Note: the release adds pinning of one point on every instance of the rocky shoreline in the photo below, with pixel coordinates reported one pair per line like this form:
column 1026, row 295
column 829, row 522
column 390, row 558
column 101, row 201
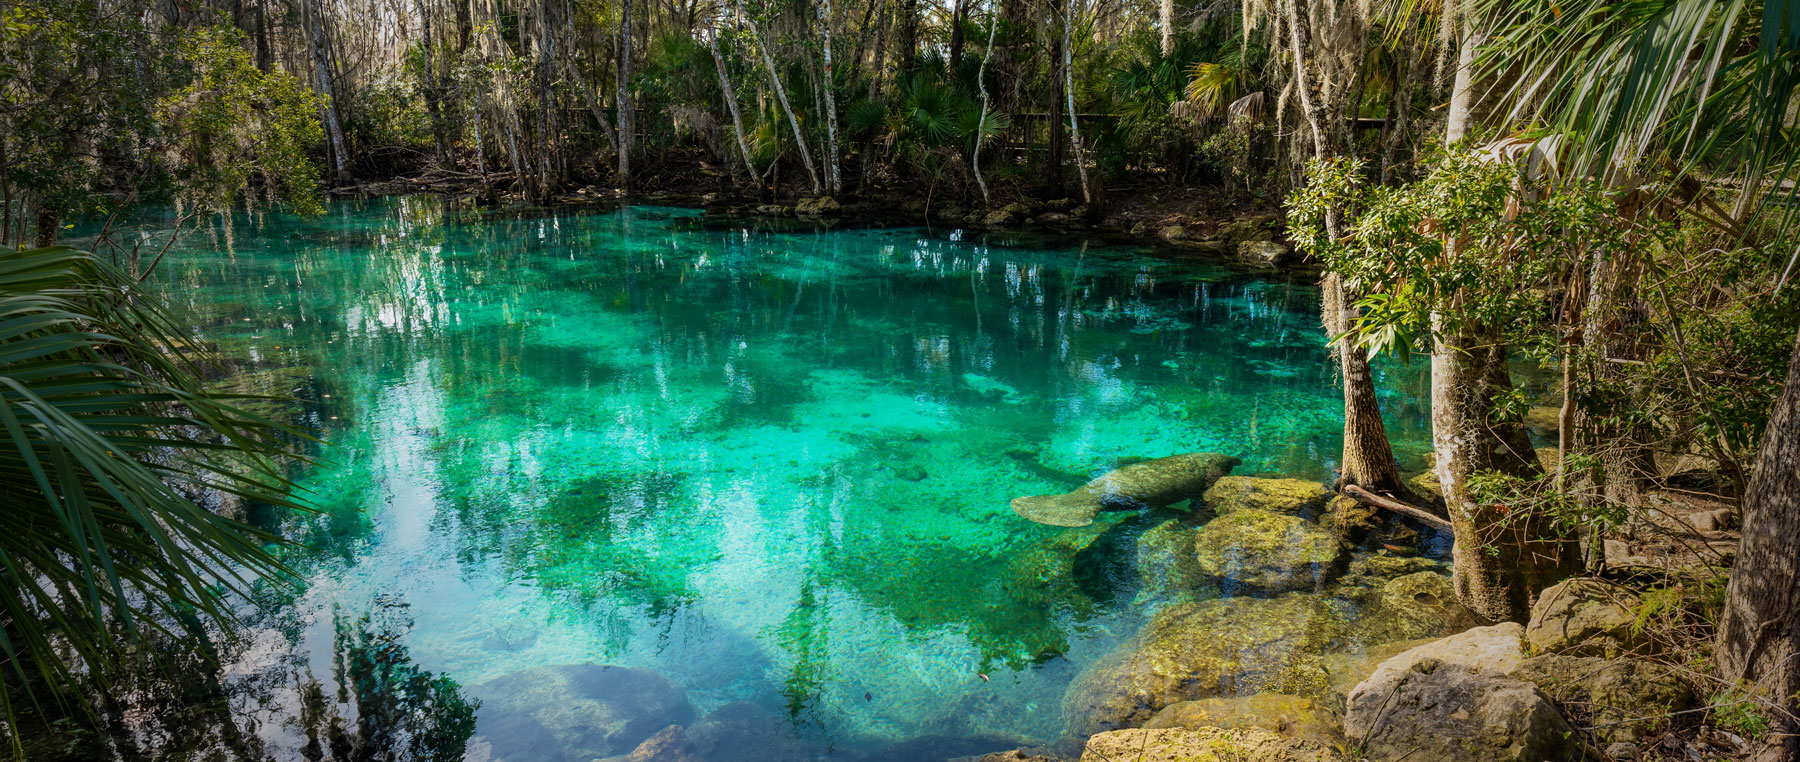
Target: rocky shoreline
column 1289, row 625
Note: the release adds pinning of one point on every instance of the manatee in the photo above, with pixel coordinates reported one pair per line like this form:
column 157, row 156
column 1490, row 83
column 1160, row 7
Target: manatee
column 1149, row 484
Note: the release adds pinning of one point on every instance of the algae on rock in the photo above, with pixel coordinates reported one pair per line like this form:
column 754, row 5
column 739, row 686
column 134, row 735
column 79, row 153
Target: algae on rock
column 1266, row 552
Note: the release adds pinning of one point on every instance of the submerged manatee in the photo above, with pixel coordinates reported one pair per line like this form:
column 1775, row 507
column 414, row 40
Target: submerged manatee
column 1150, row 484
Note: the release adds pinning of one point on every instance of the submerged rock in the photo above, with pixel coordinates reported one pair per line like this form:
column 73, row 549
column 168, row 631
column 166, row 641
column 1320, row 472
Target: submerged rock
column 1148, row 484
column 1220, row 647
column 1266, row 552
column 1296, row 497
column 1279, row 713
column 668, row 745
column 1165, row 560
column 1418, row 605
column 1439, row 711
column 1585, row 616
column 1608, row 692
column 745, row 732
column 1202, row 745
column 582, row 711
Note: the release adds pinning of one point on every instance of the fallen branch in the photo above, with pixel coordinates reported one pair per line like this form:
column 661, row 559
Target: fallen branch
column 1396, row 506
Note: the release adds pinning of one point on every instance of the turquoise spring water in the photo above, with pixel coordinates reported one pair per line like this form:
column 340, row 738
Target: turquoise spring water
column 770, row 462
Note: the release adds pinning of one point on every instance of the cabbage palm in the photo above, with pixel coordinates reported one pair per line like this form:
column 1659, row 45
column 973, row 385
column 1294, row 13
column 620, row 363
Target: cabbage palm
column 105, row 429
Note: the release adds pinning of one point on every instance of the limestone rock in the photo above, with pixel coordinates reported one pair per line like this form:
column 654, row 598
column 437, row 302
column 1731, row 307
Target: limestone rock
column 1172, row 233
column 1587, row 617
column 1202, row 745
column 1219, row 647
column 1166, row 564
column 1015, row 755
column 744, row 732
column 1296, row 497
column 1426, row 485
column 1145, row 484
column 587, row 711
column 1264, row 252
column 1017, row 209
column 822, row 206
column 1257, row 228
column 668, row 745
column 773, row 210
column 1252, row 550
column 999, row 218
column 1418, row 605
column 1448, row 712
column 1053, row 218
column 1607, row 692
column 1348, row 519
column 1282, row 714
column 1059, row 205
column 1496, row 649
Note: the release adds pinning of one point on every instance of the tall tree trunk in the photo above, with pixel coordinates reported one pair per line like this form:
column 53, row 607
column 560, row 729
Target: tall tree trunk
column 1056, row 99
column 1501, row 560
column 731, row 102
column 959, row 13
column 432, row 88
column 1068, row 80
column 264, row 56
column 762, row 44
column 981, row 123
column 833, row 172
column 627, row 121
column 1759, row 635
column 549, row 126
column 322, row 76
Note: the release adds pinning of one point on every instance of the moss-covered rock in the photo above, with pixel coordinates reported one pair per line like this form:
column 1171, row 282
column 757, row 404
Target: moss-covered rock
column 1258, row 551
column 1585, row 616
column 1165, row 561
column 1606, row 693
column 1439, row 711
column 1203, row 745
column 1221, row 647
column 1418, row 605
column 1296, row 497
column 1291, row 716
column 1350, row 520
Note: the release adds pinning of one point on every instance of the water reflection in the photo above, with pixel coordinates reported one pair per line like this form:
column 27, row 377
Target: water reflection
column 773, row 465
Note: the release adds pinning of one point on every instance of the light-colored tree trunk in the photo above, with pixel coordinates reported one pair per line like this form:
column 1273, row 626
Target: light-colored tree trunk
column 833, row 179
column 627, row 120
column 731, row 102
column 981, row 123
column 762, row 45
column 1068, row 67
column 334, row 131
column 1759, row 635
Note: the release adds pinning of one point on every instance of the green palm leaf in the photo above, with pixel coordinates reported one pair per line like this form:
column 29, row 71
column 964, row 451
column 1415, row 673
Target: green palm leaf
column 105, row 426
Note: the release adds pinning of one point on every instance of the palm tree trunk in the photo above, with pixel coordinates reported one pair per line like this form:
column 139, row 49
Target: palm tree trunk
column 1068, row 79
column 1759, row 635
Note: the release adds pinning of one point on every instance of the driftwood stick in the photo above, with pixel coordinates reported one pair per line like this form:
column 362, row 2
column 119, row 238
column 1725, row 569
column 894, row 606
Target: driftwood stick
column 1396, row 506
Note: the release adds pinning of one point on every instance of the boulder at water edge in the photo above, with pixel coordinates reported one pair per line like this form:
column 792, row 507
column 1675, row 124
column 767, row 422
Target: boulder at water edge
column 1147, row 484
column 1279, row 713
column 1412, row 606
column 1609, row 692
column 1261, row 552
column 1450, row 713
column 1220, row 647
column 1202, row 745
column 1585, row 617
column 1296, row 497
column 576, row 712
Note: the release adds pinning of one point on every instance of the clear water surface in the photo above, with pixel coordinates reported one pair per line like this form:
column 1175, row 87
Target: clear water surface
column 771, row 463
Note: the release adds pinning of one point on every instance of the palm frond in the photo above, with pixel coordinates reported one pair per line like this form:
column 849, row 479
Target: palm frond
column 104, row 423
